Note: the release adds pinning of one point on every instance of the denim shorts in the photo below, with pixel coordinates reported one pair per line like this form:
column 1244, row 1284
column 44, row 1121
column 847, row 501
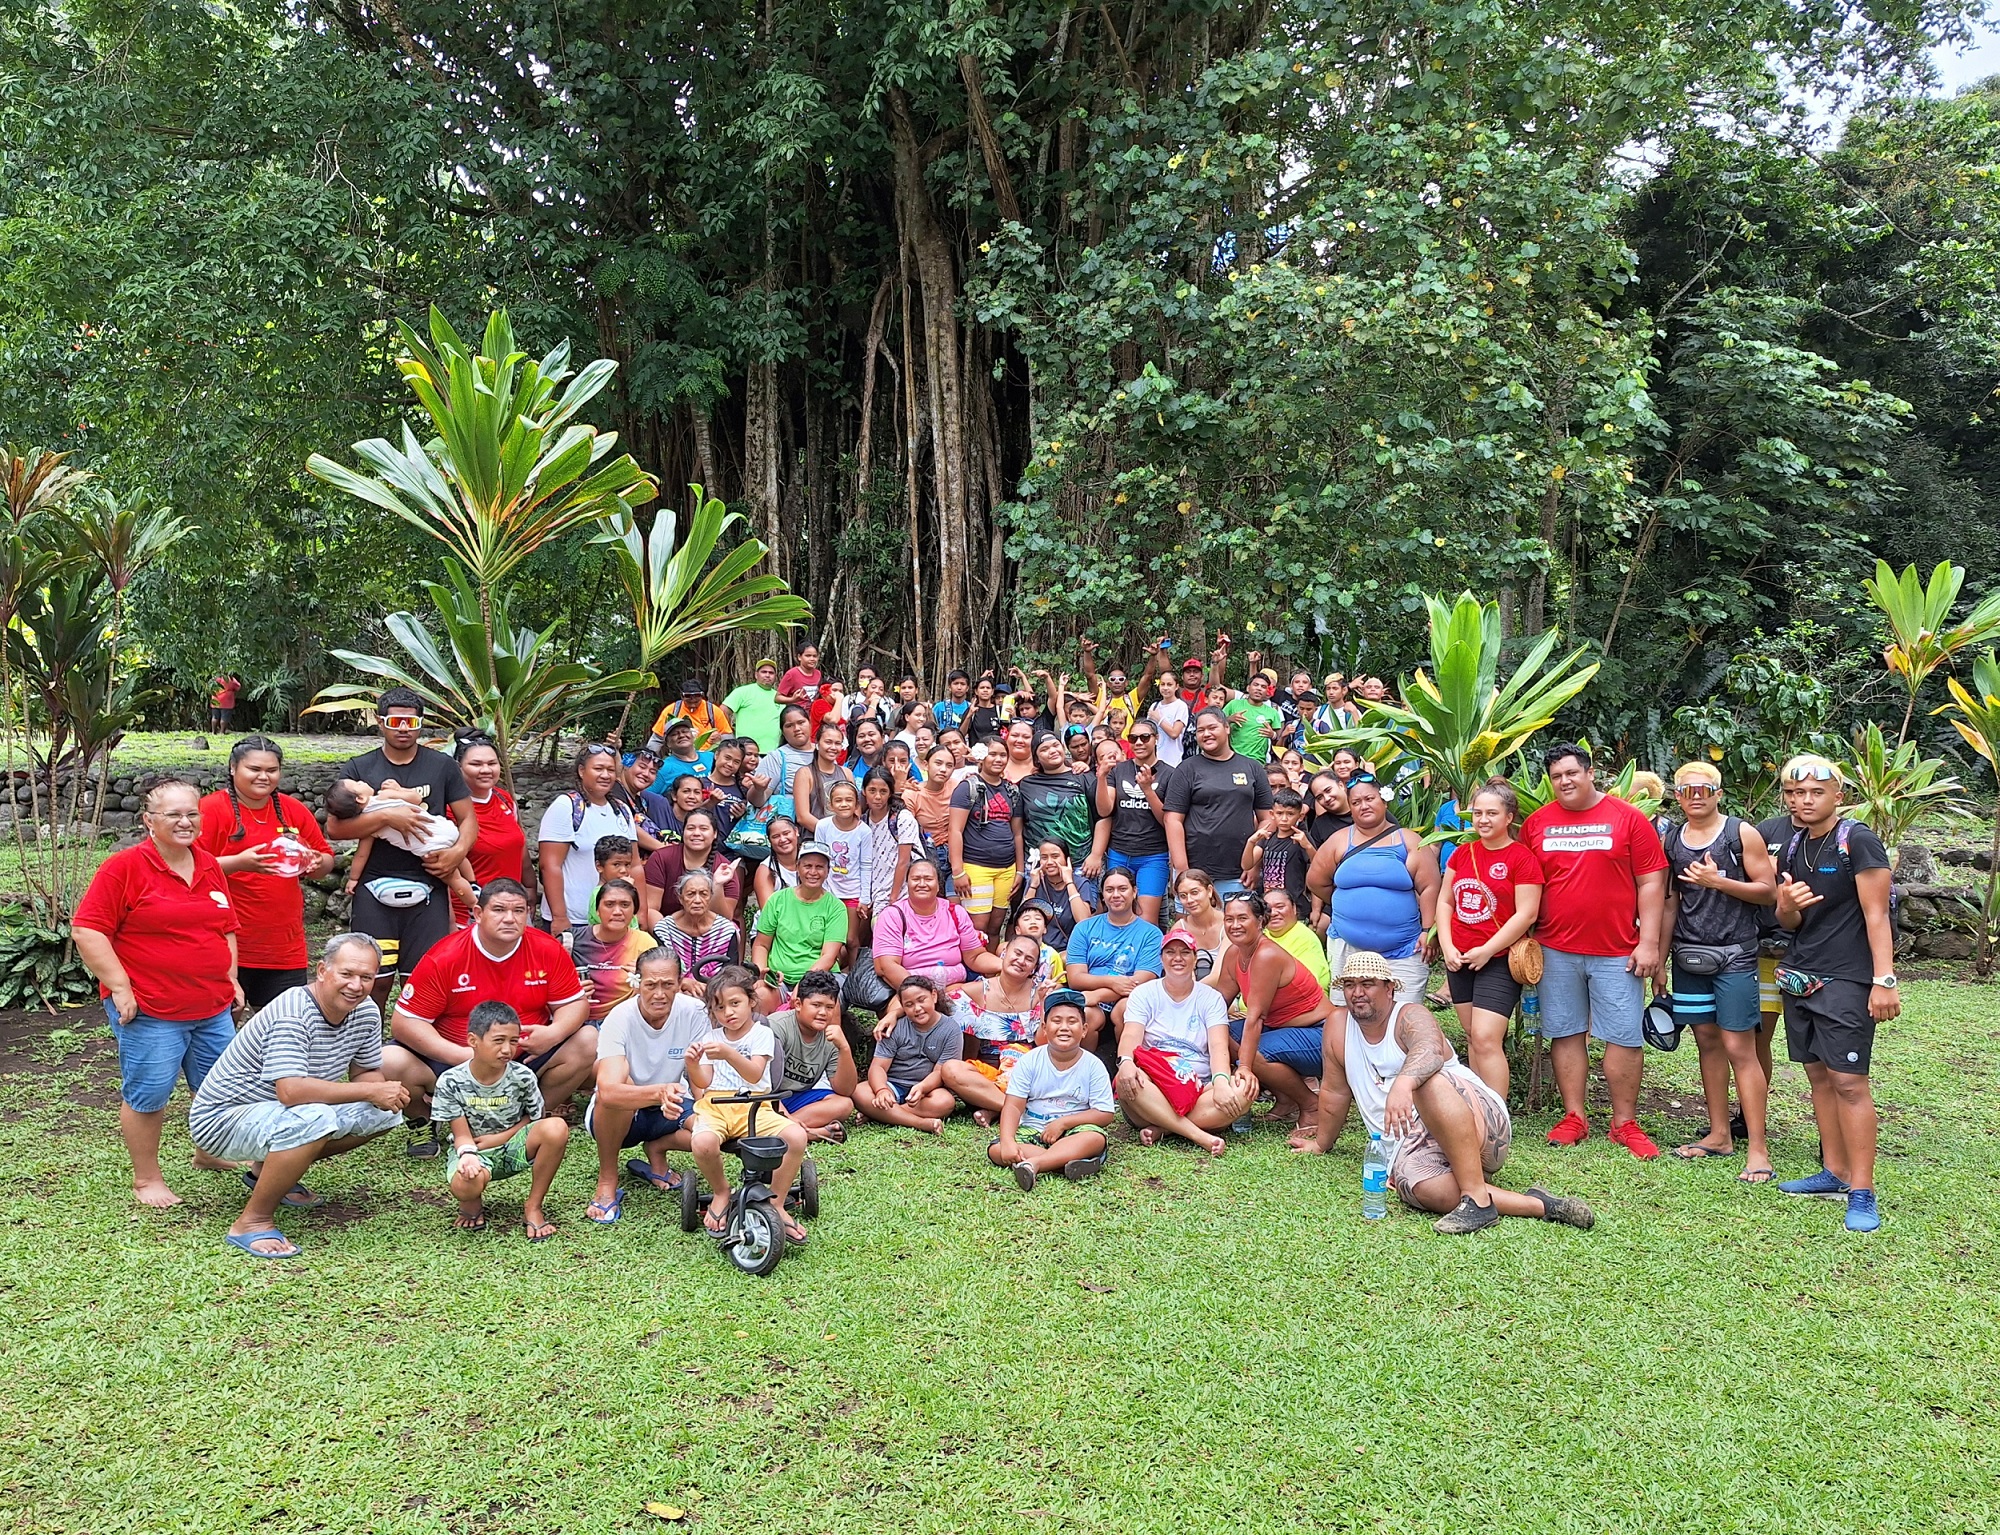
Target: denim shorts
column 1301, row 1049
column 1730, row 999
column 154, row 1053
column 1148, row 873
column 648, row 1124
column 252, row 1131
column 1594, row 992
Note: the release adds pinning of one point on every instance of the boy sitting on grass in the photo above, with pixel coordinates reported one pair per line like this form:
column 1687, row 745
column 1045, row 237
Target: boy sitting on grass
column 734, row 1056
column 492, row 1106
column 818, row 1077
column 1058, row 1102
column 905, row 1083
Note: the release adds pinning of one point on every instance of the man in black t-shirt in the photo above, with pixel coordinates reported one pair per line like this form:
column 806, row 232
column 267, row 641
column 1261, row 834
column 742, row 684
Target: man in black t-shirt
column 1773, row 940
column 403, row 904
column 1838, row 979
column 1216, row 802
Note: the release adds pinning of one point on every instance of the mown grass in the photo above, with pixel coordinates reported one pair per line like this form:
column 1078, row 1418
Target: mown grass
column 1178, row 1346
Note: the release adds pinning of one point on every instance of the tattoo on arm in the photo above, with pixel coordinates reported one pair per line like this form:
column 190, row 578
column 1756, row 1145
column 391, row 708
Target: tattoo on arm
column 1423, row 1042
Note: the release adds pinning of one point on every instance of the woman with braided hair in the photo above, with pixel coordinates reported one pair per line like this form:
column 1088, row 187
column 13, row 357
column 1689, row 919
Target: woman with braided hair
column 242, row 824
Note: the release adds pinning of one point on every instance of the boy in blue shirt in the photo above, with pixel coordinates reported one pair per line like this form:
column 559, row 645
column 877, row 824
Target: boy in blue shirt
column 1058, row 1102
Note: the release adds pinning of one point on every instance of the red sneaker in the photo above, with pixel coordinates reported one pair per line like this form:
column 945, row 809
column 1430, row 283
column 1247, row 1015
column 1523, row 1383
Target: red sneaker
column 1634, row 1140
column 1569, row 1130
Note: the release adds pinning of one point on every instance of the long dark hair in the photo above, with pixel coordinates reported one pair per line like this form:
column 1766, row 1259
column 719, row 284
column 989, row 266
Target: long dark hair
column 237, row 753
column 884, row 777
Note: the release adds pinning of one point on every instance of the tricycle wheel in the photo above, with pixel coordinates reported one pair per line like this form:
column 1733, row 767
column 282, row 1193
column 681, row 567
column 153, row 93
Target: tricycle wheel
column 809, row 1189
column 690, row 1201
column 756, row 1240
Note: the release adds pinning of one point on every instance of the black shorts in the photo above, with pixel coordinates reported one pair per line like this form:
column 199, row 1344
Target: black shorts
column 263, row 987
column 405, row 933
column 1492, row 989
column 1832, row 1027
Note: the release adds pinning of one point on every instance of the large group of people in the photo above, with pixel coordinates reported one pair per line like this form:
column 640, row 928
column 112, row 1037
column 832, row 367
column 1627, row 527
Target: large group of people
column 1054, row 907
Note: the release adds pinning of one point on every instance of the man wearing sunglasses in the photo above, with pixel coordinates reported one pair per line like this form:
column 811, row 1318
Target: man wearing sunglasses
column 1838, row 979
column 403, row 904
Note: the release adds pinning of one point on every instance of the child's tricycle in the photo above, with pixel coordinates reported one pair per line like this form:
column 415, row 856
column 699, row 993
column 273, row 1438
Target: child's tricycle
column 753, row 1236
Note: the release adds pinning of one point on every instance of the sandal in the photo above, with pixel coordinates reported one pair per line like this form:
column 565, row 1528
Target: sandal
column 795, row 1234
column 668, row 1182
column 471, row 1222
column 298, row 1196
column 1694, row 1151
column 1756, row 1175
column 716, row 1225
column 608, row 1206
column 538, row 1231
column 241, row 1240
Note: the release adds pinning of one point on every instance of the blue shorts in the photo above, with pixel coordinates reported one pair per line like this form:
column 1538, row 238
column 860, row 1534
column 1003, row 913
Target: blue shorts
column 1149, row 873
column 1300, row 1049
column 1730, row 1000
column 1594, row 992
column 648, row 1124
column 155, row 1053
column 805, row 1099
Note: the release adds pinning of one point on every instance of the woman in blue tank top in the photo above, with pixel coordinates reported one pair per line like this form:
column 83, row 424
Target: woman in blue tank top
column 1382, row 881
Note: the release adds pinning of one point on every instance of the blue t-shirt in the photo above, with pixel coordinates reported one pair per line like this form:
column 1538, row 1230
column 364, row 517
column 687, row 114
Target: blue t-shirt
column 1104, row 948
column 950, row 713
column 674, row 768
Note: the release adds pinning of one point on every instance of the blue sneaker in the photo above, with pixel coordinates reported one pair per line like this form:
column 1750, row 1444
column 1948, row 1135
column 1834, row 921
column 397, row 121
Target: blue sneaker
column 1821, row 1185
column 1861, row 1212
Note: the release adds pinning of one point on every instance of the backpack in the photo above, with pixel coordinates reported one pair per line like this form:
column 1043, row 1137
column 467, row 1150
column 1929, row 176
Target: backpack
column 1731, row 839
column 1841, row 832
column 578, row 805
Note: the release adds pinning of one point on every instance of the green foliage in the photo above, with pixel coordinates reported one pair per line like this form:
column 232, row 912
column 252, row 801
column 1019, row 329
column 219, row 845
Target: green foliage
column 1893, row 788
column 1762, row 713
column 1462, row 725
column 1923, row 636
column 511, row 686
column 39, row 969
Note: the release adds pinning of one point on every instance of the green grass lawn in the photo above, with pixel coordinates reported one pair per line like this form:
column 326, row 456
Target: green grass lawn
column 1178, row 1346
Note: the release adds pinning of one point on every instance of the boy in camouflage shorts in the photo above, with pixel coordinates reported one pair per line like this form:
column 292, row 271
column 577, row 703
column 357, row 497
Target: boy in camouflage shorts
column 492, row 1108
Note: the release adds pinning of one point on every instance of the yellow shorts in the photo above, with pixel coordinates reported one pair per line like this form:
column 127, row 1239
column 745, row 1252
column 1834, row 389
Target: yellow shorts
column 731, row 1121
column 1768, row 1000
column 987, row 889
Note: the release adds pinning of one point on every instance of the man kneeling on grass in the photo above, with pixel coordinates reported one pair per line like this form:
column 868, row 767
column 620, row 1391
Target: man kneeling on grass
column 300, row 1081
column 1058, row 1102
column 1449, row 1128
column 491, row 1107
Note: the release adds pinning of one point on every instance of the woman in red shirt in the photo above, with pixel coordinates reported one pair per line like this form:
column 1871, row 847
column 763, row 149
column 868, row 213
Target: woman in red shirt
column 501, row 849
column 158, row 930
column 240, row 825
column 1493, row 890
column 1279, row 1037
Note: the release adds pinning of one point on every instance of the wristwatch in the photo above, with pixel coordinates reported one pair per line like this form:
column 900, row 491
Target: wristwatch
column 1886, row 982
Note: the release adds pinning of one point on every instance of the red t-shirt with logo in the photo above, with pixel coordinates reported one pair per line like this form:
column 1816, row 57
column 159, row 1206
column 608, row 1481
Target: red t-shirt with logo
column 456, row 975
column 497, row 852
column 170, row 934
column 271, row 907
column 1591, row 862
column 1480, row 886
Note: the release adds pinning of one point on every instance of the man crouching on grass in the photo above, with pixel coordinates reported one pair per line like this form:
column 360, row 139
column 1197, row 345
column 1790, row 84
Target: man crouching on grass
column 1450, row 1129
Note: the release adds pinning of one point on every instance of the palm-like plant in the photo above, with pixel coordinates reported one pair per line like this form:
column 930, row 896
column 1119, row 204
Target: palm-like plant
column 677, row 599
column 1976, row 713
column 1463, row 723
column 36, row 481
column 510, row 686
column 1893, row 788
column 1919, row 616
column 509, row 466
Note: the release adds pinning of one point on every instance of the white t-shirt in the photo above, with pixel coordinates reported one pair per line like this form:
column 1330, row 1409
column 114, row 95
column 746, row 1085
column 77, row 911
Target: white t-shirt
column 654, row 1057
column 757, row 1040
column 1180, row 1028
column 1051, row 1094
column 579, row 869
column 853, row 854
column 1170, row 747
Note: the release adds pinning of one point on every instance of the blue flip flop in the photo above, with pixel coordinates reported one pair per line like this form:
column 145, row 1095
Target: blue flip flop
column 241, row 1240
column 299, row 1197
column 610, row 1205
column 670, row 1181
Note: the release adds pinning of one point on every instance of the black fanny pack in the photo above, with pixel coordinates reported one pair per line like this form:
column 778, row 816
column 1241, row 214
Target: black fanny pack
column 1706, row 958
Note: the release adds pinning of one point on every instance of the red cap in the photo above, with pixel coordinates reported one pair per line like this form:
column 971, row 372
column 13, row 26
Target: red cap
column 1179, row 935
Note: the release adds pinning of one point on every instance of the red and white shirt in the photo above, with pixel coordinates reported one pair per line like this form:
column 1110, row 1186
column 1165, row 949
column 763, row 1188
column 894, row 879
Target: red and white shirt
column 1480, row 886
column 1591, row 863
column 170, row 934
column 457, row 974
column 271, row 907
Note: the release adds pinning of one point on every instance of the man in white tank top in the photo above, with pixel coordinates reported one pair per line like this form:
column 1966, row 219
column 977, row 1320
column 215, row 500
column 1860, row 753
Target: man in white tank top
column 1449, row 1130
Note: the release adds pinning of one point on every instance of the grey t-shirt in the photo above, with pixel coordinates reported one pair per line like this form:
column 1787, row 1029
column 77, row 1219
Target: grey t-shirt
column 806, row 1062
column 488, row 1107
column 912, row 1055
column 290, row 1037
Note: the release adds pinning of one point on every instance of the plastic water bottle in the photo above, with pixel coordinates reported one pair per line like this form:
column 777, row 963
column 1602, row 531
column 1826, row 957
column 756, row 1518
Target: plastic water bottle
column 1375, row 1180
column 1531, row 1011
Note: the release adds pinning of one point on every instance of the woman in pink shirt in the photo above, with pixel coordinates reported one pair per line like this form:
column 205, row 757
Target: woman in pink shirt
column 924, row 934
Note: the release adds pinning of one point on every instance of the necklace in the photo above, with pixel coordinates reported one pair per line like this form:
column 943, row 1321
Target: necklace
column 1811, row 853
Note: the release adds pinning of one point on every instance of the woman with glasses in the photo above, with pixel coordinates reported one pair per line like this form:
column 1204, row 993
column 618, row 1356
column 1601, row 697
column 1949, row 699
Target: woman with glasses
column 1129, row 797
column 158, row 930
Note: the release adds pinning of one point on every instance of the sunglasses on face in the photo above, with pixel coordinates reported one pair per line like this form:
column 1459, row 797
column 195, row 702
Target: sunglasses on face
column 402, row 721
column 1816, row 773
column 1694, row 790
column 1147, row 736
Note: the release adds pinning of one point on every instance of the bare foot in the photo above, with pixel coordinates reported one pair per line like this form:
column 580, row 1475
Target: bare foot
column 931, row 1126
column 1215, row 1145
column 1149, row 1136
column 155, row 1195
column 216, row 1165
column 983, row 1118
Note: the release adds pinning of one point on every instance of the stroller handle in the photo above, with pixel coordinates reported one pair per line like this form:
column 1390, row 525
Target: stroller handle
column 746, row 1097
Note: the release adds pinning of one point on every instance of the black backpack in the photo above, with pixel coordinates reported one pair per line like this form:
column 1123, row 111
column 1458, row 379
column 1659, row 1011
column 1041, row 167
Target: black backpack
column 1841, row 833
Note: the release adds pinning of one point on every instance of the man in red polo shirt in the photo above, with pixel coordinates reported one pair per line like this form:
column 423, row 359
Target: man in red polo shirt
column 499, row 958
